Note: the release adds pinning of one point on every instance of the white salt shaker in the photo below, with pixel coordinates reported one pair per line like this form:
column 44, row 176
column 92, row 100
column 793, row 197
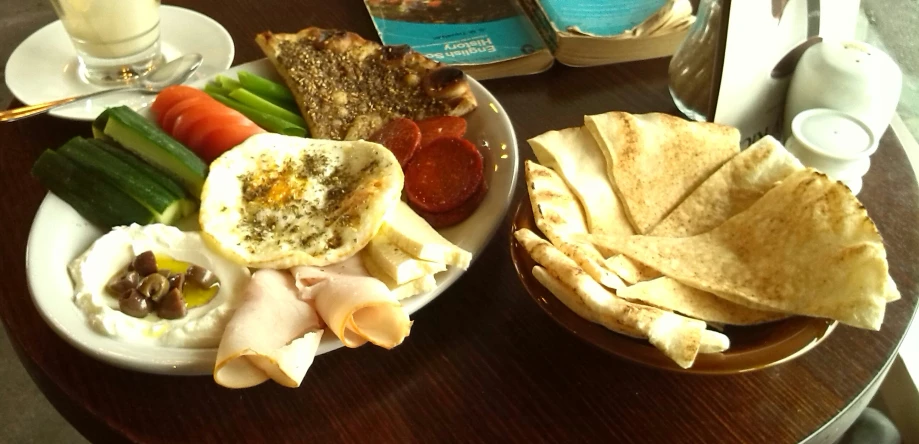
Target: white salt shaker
column 848, row 76
column 833, row 142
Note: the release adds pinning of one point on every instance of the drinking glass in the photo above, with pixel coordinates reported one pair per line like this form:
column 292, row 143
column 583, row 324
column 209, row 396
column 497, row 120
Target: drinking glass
column 116, row 41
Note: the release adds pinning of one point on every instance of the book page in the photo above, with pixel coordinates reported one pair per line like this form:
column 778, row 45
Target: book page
column 458, row 32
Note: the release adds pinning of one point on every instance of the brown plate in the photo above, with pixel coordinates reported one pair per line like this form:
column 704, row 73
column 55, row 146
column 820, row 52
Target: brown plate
column 752, row 348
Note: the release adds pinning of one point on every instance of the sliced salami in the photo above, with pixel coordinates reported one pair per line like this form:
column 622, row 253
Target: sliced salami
column 441, row 126
column 458, row 214
column 443, row 174
column 401, row 136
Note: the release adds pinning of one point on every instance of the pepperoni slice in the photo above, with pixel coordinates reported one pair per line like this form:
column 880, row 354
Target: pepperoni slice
column 401, row 136
column 170, row 96
column 458, row 214
column 441, row 126
column 443, row 174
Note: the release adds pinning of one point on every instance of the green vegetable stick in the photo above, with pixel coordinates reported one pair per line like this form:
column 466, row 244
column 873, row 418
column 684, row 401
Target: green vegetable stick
column 228, row 83
column 272, row 91
column 215, row 88
column 266, row 121
column 251, row 100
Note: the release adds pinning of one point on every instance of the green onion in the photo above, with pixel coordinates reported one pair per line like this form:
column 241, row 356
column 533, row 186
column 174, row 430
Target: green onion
column 253, row 101
column 272, row 91
column 228, row 83
column 267, row 121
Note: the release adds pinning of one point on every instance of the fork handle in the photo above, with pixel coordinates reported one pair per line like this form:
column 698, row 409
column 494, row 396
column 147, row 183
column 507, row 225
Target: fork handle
column 39, row 108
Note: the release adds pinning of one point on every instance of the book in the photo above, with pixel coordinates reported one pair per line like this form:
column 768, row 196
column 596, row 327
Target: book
column 600, row 32
column 486, row 38
column 501, row 38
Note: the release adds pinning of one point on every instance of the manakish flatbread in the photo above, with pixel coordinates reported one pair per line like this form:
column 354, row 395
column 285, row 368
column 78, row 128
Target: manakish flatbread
column 347, row 87
column 678, row 337
column 733, row 188
column 806, row 247
column 574, row 154
column 655, row 160
column 559, row 216
column 667, row 293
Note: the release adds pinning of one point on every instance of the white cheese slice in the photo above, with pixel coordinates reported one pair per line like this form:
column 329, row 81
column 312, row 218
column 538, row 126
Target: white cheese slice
column 397, row 264
column 411, row 288
column 413, row 235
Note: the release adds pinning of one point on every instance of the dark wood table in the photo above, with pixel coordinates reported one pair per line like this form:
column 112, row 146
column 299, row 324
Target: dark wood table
column 483, row 363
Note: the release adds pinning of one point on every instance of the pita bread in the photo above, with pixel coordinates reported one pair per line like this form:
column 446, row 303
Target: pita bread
column 575, row 156
column 666, row 293
column 739, row 183
column 559, row 217
column 676, row 336
column 655, row 160
column 733, row 188
column 806, row 247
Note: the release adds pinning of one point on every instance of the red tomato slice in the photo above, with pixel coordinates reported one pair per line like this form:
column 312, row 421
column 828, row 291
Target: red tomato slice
column 183, row 127
column 168, row 121
column 441, row 126
column 220, row 140
column 172, row 95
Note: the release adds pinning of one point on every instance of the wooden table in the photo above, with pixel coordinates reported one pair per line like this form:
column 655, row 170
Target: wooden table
column 482, row 363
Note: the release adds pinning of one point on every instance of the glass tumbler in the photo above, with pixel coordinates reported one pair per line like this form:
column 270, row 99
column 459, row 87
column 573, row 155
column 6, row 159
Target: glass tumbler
column 116, row 41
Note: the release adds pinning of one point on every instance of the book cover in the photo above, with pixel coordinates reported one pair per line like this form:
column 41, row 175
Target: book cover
column 601, row 18
column 457, row 32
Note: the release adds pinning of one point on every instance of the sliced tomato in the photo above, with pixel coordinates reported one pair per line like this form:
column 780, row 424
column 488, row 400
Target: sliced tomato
column 220, row 140
column 168, row 121
column 183, row 128
column 171, row 95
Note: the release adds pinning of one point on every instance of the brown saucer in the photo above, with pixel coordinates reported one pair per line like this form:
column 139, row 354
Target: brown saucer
column 752, row 348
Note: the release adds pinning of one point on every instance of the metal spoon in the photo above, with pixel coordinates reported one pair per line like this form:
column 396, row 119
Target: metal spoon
column 172, row 73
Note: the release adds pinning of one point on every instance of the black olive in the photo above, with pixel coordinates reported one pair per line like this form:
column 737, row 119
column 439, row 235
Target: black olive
column 154, row 286
column 177, row 281
column 134, row 304
column 145, row 263
column 120, row 283
column 201, row 276
column 172, row 306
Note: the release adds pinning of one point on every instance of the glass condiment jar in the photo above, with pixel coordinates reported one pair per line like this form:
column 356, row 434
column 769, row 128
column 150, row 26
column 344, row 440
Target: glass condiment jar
column 692, row 67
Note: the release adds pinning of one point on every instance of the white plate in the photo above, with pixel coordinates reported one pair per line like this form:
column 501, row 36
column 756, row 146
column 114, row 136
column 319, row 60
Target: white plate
column 44, row 66
column 59, row 234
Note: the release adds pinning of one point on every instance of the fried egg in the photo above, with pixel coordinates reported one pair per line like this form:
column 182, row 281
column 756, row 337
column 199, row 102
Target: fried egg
column 279, row 201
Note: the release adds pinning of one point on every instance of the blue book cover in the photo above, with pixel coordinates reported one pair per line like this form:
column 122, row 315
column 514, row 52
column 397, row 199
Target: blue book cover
column 461, row 32
column 599, row 17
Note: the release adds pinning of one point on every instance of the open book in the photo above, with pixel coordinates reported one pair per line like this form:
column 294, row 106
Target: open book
column 501, row 38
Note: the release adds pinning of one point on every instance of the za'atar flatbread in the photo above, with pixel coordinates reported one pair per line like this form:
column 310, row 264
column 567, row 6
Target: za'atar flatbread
column 678, row 337
column 559, row 217
column 575, row 156
column 655, row 160
column 806, row 247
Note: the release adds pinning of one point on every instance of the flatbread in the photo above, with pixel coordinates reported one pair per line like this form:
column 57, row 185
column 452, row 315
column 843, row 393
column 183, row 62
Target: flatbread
column 667, row 293
column 739, row 183
column 347, row 87
column 655, row 160
column 806, row 247
column 559, row 217
column 678, row 337
column 733, row 188
column 575, row 156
